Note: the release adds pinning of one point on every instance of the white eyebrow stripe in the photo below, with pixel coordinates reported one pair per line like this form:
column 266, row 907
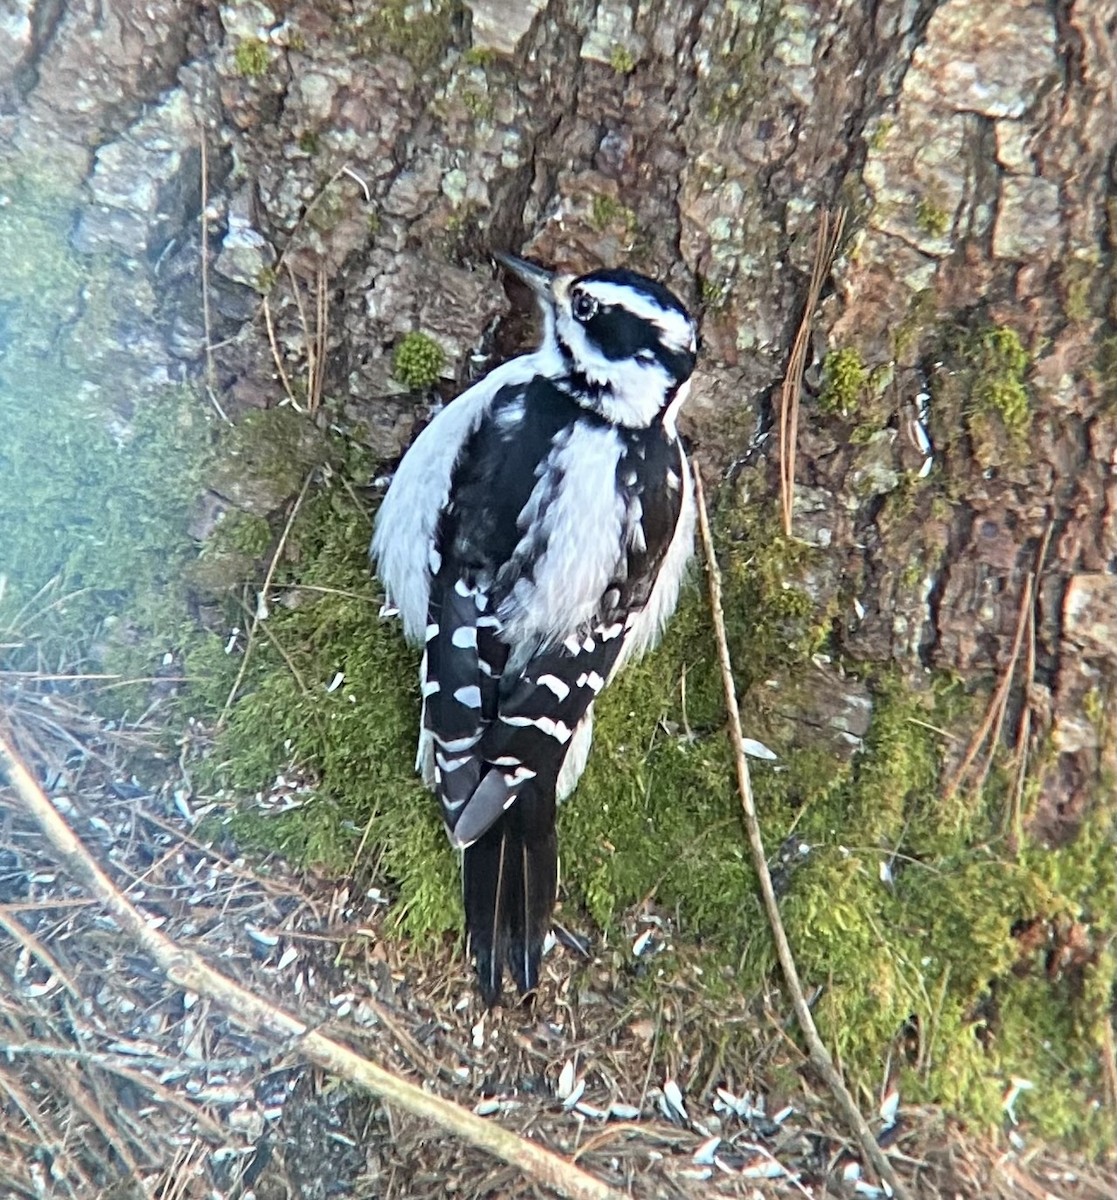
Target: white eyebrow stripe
column 677, row 329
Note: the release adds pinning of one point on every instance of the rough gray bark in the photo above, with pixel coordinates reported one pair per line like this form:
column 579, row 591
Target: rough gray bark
column 388, row 147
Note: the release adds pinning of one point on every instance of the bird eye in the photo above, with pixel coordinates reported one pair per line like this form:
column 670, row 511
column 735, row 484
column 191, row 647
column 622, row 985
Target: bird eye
column 583, row 307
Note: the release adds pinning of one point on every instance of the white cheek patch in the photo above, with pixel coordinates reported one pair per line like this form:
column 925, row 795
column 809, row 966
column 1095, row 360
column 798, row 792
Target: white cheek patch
column 633, row 390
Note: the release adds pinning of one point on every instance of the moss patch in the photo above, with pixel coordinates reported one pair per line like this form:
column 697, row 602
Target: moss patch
column 906, row 912
column 622, row 60
column 418, row 361
column 96, row 499
column 420, row 33
column 843, row 380
column 355, row 743
column 1000, row 364
column 932, row 218
column 607, row 212
column 981, row 390
column 251, row 58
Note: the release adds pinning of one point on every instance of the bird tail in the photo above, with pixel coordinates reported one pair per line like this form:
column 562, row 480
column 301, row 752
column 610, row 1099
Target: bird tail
column 509, row 879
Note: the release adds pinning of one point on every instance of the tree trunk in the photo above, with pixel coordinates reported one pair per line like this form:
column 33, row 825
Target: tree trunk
column 392, row 146
column 956, row 464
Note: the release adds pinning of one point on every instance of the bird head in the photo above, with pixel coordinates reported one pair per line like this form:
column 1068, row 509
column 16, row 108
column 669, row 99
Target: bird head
column 624, row 345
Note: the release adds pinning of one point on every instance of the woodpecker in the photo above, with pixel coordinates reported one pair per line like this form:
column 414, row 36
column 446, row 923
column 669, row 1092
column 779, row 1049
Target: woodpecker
column 534, row 539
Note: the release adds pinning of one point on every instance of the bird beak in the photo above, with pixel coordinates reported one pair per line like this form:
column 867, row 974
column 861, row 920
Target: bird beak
column 538, row 279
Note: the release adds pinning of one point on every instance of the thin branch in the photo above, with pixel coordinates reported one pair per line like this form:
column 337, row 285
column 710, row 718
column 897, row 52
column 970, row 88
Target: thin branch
column 207, row 320
column 256, row 618
column 258, row 1016
column 111, row 1062
column 819, row 1056
column 1109, row 1064
column 277, row 358
column 36, row 948
column 830, row 226
column 994, row 714
column 321, row 329
column 1015, row 820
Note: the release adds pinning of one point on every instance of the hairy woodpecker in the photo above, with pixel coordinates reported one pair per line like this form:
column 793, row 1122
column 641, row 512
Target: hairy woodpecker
column 534, row 538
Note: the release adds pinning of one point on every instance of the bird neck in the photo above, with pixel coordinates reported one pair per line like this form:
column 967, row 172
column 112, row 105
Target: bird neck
column 630, row 392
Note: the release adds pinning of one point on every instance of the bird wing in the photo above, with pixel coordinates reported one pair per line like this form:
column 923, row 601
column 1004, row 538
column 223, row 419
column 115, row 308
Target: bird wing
column 502, row 698
column 539, row 710
column 408, row 520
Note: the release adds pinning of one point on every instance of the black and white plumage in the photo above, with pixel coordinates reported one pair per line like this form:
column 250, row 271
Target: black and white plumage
column 534, row 538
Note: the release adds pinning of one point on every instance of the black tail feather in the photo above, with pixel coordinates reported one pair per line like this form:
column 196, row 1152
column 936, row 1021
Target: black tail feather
column 509, row 878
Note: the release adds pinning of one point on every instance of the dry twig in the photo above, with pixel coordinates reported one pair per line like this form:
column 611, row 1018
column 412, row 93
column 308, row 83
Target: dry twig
column 993, row 721
column 207, row 321
column 830, row 226
column 263, row 598
column 994, row 715
column 1014, row 821
column 819, row 1056
column 259, row 1016
column 277, row 357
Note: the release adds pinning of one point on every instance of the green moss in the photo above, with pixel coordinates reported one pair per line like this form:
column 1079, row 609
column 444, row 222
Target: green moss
column 251, row 57
column 607, row 211
column 97, row 495
column 309, row 141
column 42, row 280
column 1079, row 280
column 932, row 218
column 622, row 61
column 1094, row 708
column 714, row 293
column 999, row 391
column 843, row 381
column 479, row 56
column 1104, row 373
column 231, row 554
column 980, row 392
column 418, row 361
column 1079, row 292
column 879, row 137
column 905, row 912
column 477, row 104
column 354, row 744
column 421, row 33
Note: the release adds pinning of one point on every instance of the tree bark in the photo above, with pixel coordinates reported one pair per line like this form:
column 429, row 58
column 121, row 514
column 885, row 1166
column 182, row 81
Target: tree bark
column 385, row 149
column 956, row 465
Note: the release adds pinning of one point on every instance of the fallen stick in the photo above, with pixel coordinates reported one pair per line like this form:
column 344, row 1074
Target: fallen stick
column 818, row 1054
column 259, row 1016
